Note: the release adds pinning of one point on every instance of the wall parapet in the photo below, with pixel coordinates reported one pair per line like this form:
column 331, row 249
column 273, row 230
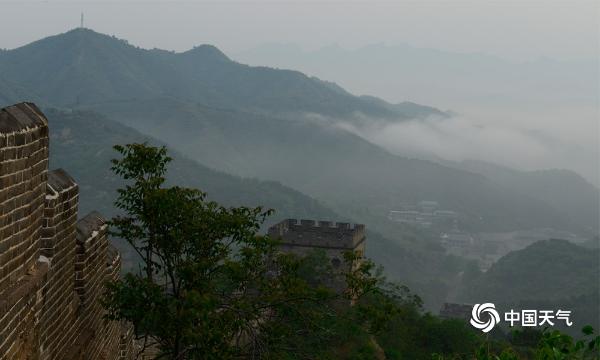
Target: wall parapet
column 325, row 234
column 47, row 257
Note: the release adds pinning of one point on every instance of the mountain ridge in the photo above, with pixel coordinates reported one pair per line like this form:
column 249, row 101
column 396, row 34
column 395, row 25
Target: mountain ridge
column 82, row 142
column 260, row 122
column 202, row 74
column 563, row 189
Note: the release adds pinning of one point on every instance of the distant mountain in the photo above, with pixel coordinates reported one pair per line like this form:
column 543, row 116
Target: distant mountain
column 398, row 72
column 564, row 190
column 81, row 142
column 549, row 269
column 82, row 67
column 408, row 109
column 548, row 275
column 12, row 93
column 263, row 123
column 329, row 163
column 554, row 96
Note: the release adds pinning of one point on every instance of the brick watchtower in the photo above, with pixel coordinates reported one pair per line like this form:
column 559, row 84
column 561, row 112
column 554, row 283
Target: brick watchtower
column 301, row 237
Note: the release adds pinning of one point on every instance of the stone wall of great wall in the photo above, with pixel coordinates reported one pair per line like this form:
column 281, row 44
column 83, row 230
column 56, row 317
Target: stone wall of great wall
column 52, row 266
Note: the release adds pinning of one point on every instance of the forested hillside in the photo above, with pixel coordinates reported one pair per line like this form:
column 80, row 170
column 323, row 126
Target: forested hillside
column 566, row 191
column 81, row 142
column 553, row 274
column 84, row 67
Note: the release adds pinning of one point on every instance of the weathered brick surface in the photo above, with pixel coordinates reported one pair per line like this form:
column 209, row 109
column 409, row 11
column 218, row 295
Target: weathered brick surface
column 23, row 171
column 58, row 244
column 52, row 267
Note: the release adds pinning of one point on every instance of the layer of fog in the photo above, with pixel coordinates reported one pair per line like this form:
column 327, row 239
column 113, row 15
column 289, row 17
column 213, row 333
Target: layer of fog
column 498, row 140
column 528, row 115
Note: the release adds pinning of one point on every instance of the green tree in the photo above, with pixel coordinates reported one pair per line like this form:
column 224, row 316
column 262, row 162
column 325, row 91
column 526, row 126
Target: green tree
column 550, row 345
column 208, row 286
column 555, row 345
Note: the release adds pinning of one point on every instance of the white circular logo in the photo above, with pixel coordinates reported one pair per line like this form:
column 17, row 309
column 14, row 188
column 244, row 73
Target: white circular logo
column 484, row 310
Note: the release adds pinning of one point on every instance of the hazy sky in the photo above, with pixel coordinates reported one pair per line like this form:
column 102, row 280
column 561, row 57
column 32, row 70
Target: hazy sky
column 513, row 29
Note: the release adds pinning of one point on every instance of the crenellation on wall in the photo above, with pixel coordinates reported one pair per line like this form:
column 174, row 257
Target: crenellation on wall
column 52, row 266
column 23, row 166
column 58, row 245
column 321, row 234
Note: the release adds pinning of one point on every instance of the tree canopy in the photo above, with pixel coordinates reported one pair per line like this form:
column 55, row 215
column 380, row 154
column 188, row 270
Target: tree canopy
column 209, row 286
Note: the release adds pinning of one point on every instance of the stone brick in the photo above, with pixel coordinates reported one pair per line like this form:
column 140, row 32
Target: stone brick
column 52, row 267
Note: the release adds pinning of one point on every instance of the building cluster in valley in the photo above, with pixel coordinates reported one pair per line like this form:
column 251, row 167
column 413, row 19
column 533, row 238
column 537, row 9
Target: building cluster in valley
column 483, row 247
column 53, row 267
column 487, row 247
column 424, row 214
